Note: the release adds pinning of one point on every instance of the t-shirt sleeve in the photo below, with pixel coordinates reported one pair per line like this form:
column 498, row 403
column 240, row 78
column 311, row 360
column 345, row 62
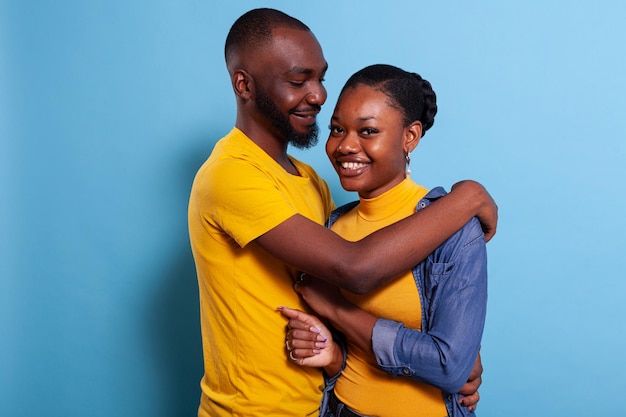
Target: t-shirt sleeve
column 243, row 200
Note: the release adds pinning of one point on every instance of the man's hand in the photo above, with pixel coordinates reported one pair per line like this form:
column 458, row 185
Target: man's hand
column 488, row 210
column 470, row 389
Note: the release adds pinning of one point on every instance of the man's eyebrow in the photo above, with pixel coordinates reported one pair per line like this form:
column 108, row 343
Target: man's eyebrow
column 300, row 70
column 307, row 71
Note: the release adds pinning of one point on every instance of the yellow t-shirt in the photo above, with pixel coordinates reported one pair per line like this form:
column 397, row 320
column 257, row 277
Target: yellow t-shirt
column 363, row 386
column 239, row 194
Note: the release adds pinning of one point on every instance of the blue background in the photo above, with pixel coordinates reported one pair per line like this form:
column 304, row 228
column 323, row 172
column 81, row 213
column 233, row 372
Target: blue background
column 109, row 107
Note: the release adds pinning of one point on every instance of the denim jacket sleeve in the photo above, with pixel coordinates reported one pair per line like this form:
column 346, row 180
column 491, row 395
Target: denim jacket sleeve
column 453, row 291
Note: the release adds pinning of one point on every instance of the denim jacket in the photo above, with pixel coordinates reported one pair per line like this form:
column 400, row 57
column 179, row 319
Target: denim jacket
column 452, row 284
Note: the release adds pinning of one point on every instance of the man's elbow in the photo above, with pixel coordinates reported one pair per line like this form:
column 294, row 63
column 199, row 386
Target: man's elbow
column 359, row 288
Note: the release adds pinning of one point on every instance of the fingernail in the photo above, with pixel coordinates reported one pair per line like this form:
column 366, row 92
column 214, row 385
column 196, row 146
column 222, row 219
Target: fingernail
column 321, row 338
column 316, row 351
column 315, row 329
column 320, row 344
column 462, row 402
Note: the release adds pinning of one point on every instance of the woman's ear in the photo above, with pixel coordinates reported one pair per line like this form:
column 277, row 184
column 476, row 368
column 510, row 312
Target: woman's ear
column 243, row 84
column 412, row 136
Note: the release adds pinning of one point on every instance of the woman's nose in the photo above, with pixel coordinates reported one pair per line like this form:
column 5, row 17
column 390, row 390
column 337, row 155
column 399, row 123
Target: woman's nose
column 348, row 144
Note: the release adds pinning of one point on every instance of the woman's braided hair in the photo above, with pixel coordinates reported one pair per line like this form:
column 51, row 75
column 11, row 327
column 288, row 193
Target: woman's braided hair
column 408, row 92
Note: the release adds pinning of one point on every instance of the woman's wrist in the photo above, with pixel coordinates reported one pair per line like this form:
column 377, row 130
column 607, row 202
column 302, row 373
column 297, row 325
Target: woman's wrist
column 336, row 364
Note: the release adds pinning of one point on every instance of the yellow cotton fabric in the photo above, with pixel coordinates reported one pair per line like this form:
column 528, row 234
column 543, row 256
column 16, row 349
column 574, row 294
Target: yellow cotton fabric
column 363, row 386
column 239, row 194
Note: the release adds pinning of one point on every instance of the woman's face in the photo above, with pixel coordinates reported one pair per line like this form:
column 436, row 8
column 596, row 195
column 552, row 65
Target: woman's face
column 368, row 143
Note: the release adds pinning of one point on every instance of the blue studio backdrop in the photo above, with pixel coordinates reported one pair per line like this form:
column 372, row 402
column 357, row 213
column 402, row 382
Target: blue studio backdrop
column 107, row 109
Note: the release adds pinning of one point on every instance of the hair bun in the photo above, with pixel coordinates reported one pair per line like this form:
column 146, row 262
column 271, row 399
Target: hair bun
column 430, row 103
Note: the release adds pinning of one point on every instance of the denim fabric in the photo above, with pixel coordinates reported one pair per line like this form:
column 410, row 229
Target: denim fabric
column 339, row 409
column 329, row 382
column 452, row 284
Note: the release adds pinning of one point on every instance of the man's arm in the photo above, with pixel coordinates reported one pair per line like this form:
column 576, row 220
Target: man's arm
column 375, row 260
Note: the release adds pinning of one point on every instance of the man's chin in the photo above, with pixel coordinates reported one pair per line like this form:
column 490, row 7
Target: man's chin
column 305, row 140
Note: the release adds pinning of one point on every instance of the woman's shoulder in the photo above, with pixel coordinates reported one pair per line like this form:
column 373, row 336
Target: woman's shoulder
column 470, row 232
column 340, row 211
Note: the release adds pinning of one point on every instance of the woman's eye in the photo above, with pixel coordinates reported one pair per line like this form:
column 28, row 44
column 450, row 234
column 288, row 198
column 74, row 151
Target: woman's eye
column 369, row 131
column 335, row 129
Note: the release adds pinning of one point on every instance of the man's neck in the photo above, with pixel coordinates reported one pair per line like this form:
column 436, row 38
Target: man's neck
column 275, row 148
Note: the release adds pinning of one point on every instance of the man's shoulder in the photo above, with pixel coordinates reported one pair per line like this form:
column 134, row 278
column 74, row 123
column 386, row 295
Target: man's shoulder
column 233, row 154
column 235, row 143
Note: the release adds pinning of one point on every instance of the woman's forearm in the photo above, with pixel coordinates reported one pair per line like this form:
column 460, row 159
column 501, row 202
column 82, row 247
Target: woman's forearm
column 355, row 323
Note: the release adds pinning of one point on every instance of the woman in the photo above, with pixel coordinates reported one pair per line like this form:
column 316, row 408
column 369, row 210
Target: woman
column 427, row 324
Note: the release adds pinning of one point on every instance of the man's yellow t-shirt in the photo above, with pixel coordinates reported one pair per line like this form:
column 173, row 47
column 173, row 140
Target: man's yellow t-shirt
column 239, row 194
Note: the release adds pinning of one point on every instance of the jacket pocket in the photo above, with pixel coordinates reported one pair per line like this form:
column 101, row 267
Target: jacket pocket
column 434, row 274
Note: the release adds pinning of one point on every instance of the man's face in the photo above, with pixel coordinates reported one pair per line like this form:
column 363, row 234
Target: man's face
column 289, row 93
column 281, row 122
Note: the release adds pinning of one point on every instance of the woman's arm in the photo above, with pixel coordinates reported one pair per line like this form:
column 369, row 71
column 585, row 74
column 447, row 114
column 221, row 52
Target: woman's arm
column 444, row 354
column 356, row 324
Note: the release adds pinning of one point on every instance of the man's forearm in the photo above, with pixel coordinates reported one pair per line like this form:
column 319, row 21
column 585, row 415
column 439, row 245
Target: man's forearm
column 387, row 253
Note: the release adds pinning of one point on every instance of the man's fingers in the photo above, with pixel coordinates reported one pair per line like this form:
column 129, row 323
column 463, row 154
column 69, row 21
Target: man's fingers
column 471, row 387
column 470, row 401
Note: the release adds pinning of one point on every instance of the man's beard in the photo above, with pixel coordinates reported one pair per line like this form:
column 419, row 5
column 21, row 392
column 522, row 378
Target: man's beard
column 281, row 122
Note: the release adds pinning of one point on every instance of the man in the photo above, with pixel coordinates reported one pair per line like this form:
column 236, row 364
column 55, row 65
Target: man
column 255, row 222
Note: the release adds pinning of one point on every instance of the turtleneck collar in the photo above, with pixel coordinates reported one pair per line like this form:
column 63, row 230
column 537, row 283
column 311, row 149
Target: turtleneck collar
column 404, row 195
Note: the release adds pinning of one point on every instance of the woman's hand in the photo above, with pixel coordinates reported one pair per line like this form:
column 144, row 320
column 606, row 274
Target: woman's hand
column 310, row 343
column 328, row 302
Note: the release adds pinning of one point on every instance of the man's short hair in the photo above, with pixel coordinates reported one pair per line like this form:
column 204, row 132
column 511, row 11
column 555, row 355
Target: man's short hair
column 254, row 29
